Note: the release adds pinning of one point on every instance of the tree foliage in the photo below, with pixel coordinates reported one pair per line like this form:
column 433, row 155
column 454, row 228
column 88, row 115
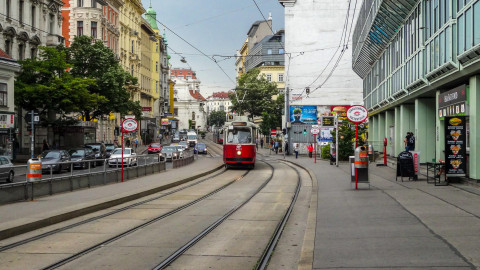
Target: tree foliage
column 272, row 115
column 85, row 78
column 45, row 85
column 346, row 144
column 253, row 96
column 216, row 118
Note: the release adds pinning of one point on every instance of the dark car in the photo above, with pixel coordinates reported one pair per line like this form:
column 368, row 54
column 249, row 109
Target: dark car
column 109, row 147
column 200, row 148
column 81, row 156
column 99, row 149
column 6, row 169
column 53, row 158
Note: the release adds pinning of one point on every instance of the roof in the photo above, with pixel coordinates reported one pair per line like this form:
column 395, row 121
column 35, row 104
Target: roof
column 5, row 55
column 223, row 95
column 196, row 95
column 254, row 25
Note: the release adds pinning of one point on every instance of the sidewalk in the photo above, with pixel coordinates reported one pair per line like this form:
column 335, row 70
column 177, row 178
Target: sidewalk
column 393, row 224
column 25, row 216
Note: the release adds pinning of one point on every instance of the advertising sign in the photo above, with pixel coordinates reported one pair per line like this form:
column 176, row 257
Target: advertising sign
column 7, row 121
column 315, row 130
column 357, row 114
column 129, row 125
column 146, row 109
column 165, row 122
column 300, row 114
column 455, row 146
column 453, row 102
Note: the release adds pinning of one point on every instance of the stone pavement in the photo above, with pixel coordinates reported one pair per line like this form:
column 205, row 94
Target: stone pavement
column 407, row 225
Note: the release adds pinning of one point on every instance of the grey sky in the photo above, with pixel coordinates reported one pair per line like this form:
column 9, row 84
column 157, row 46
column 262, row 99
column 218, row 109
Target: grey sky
column 215, row 27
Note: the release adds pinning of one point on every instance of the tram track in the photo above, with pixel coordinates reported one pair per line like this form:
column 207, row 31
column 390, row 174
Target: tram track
column 95, row 218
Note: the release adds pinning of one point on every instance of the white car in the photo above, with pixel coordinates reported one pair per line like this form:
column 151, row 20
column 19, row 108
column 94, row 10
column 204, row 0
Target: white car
column 129, row 157
column 179, row 149
column 184, row 144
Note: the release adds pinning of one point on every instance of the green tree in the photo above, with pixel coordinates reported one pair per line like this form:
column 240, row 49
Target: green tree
column 346, row 144
column 46, row 86
column 93, row 60
column 272, row 116
column 216, row 118
column 254, row 93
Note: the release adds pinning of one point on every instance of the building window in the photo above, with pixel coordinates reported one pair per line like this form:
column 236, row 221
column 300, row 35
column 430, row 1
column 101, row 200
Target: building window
column 80, row 28
column 476, row 23
column 8, row 8
column 133, row 46
column 21, row 51
column 280, row 77
column 79, row 3
column 269, row 51
column 269, row 77
column 94, row 3
column 52, row 24
column 8, row 47
column 156, row 47
column 3, row 94
column 20, row 11
column 132, row 69
column 94, row 29
column 33, row 16
column 33, row 53
column 175, row 111
column 156, row 66
column 281, row 51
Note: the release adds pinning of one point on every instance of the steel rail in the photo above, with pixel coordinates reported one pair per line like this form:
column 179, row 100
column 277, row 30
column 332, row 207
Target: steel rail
column 58, row 230
column 267, row 254
column 136, row 228
column 193, row 241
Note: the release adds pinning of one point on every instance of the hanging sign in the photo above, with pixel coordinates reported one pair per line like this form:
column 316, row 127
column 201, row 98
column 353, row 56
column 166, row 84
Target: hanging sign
column 453, row 102
column 455, row 146
column 129, row 125
column 357, row 114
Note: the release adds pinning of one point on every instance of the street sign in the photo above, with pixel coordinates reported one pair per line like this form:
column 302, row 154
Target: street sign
column 357, row 114
column 315, row 129
column 129, row 125
column 273, row 132
column 36, row 118
column 328, row 121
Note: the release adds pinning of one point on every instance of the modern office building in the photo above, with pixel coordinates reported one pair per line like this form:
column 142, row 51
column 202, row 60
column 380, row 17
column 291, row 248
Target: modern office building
column 420, row 62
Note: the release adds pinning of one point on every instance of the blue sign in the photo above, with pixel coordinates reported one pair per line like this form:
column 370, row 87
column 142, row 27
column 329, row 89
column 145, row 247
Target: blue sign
column 303, row 114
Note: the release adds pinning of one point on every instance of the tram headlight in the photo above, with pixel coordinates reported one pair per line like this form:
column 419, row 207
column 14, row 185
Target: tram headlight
column 239, row 153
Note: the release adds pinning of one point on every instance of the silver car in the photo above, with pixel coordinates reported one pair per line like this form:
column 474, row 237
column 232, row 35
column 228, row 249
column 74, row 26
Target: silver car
column 6, row 169
column 169, row 153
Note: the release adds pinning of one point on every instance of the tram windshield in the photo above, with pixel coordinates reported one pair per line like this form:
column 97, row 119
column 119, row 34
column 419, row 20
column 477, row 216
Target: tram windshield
column 239, row 135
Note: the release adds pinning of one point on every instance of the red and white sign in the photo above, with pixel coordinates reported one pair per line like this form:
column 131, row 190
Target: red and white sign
column 129, row 125
column 315, row 129
column 273, row 132
column 357, row 114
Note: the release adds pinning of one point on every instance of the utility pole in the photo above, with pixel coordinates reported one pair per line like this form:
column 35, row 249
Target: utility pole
column 287, row 119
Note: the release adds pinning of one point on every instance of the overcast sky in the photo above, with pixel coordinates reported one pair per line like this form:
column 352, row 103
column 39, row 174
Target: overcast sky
column 215, row 27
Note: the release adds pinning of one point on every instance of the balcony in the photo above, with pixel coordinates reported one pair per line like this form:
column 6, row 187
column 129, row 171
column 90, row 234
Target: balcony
column 54, row 40
column 377, row 25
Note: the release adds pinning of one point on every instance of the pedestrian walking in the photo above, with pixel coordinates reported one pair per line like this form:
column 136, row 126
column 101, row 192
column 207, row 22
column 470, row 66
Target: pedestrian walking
column 276, row 147
column 256, row 144
column 127, row 143
column 310, row 150
column 295, row 149
column 45, row 146
column 261, row 143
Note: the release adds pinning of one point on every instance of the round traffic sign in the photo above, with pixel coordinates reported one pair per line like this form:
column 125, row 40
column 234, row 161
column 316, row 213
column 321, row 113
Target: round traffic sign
column 315, row 131
column 357, row 114
column 129, row 125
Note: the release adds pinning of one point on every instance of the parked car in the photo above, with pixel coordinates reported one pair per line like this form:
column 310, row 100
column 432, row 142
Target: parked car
column 109, row 147
column 183, row 144
column 154, row 148
column 53, row 158
column 81, row 157
column 6, row 169
column 129, row 157
column 200, row 148
column 169, row 153
column 100, row 151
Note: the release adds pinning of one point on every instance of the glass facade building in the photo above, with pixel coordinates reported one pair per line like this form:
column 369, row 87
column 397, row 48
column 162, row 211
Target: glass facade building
column 410, row 52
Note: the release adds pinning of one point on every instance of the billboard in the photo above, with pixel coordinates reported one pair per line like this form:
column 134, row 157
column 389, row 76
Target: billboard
column 300, row 114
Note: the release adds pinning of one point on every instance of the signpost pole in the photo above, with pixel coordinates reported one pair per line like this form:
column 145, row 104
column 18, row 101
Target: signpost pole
column 336, row 144
column 122, row 155
column 356, row 135
column 32, row 146
column 315, row 150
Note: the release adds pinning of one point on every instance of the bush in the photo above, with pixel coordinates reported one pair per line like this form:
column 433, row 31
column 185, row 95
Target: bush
column 326, row 152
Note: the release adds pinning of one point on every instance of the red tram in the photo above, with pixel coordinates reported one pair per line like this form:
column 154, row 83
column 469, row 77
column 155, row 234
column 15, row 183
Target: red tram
column 239, row 144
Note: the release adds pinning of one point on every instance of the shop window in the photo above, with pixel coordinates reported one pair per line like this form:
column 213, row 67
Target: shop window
column 3, row 94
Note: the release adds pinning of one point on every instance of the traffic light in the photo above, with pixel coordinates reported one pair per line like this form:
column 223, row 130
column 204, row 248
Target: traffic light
column 284, row 131
column 304, row 132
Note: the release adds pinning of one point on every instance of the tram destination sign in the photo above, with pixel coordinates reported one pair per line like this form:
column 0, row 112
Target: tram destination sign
column 453, row 102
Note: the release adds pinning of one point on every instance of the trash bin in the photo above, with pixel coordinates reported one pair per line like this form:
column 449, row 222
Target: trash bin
column 34, row 169
column 371, row 153
column 361, row 164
